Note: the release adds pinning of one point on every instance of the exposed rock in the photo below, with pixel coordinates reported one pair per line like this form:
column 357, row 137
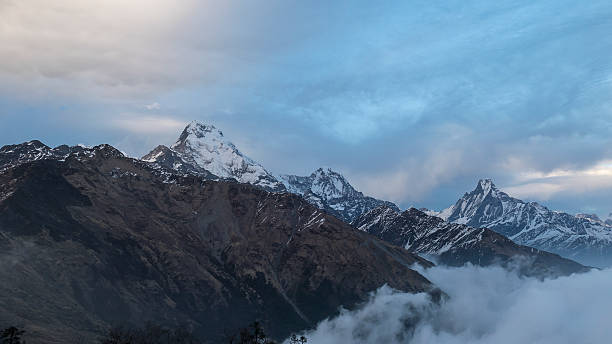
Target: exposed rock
column 456, row 244
column 529, row 223
column 331, row 191
column 203, row 150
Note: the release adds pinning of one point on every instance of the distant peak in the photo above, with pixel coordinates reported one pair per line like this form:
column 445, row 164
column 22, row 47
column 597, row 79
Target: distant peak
column 384, row 208
column 200, row 128
column 200, row 124
column 416, row 212
column 592, row 217
column 327, row 171
column 486, row 182
column 485, row 186
column 36, row 143
column 108, row 151
column 28, row 146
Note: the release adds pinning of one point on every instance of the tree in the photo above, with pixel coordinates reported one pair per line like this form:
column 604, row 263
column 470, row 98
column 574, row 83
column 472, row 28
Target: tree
column 150, row 334
column 12, row 335
column 253, row 334
column 294, row 339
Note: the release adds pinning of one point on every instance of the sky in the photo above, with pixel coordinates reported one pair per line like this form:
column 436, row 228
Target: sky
column 413, row 101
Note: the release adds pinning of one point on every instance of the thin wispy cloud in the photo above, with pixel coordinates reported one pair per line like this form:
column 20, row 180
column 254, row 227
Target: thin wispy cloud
column 544, row 185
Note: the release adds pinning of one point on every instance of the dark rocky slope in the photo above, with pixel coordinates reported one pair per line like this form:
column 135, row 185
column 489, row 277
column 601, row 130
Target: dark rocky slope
column 456, row 244
column 96, row 239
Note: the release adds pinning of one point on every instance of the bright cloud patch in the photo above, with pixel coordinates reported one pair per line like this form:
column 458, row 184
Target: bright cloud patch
column 485, row 305
column 153, row 106
column 546, row 185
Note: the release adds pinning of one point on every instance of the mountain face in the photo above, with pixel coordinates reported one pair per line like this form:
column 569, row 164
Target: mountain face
column 457, row 244
column 202, row 149
column 13, row 155
column 95, row 239
column 581, row 238
column 595, row 219
column 329, row 190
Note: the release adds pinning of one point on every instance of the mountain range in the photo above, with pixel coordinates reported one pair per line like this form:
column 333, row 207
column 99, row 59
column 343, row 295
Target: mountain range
column 329, row 190
column 584, row 238
column 201, row 235
column 457, row 244
column 94, row 239
column 202, row 149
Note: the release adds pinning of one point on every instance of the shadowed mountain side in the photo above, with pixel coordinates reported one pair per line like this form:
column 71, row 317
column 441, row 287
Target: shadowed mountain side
column 455, row 244
column 100, row 239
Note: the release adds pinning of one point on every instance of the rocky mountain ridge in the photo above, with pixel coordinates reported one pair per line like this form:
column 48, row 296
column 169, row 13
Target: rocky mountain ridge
column 581, row 238
column 202, row 150
column 13, row 155
column 95, row 239
column 607, row 221
column 331, row 191
column 457, row 244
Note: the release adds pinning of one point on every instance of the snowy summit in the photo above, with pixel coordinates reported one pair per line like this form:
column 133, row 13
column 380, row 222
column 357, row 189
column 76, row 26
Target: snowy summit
column 203, row 146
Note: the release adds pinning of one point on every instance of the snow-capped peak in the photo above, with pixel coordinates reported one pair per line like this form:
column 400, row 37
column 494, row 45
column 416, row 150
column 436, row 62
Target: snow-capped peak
column 590, row 217
column 325, row 183
column 203, row 145
column 330, row 190
column 199, row 130
column 330, row 184
column 486, row 185
column 583, row 236
column 471, row 203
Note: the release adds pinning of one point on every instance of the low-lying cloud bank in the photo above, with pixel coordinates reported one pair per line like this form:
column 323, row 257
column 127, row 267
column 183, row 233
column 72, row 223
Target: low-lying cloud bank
column 485, row 305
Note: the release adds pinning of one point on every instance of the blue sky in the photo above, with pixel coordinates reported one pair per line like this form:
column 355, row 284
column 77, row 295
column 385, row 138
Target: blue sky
column 413, row 100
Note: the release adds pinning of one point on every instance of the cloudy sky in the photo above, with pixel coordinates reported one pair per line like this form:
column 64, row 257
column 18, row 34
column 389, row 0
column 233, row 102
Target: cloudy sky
column 413, row 100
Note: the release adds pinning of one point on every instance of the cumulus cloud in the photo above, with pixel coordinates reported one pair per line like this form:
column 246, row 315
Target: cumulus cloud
column 153, row 106
column 485, row 305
